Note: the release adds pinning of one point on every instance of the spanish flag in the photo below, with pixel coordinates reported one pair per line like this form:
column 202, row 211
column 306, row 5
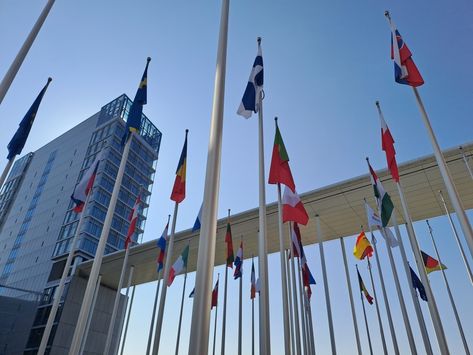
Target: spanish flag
column 363, row 288
column 178, row 193
column 362, row 247
column 431, row 264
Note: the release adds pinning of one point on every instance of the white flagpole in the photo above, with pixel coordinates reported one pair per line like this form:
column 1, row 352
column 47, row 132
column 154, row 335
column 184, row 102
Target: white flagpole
column 114, row 349
column 294, row 296
column 366, row 320
column 167, row 267
column 20, row 57
column 60, row 288
column 302, row 308
column 466, row 162
column 224, row 320
column 285, row 313
column 240, row 315
column 350, row 293
column 127, row 317
column 199, row 335
column 264, row 326
column 111, row 324
column 452, row 193
column 376, row 303
column 253, row 325
column 97, row 263
column 153, row 315
column 310, row 324
column 327, row 293
column 89, row 318
column 450, row 296
column 434, row 313
column 5, row 173
column 385, row 296
column 291, row 312
column 457, row 239
column 215, row 322
column 180, row 313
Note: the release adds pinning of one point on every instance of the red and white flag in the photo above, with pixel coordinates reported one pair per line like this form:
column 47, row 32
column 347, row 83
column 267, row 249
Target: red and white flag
column 133, row 218
column 293, row 209
column 85, row 185
column 387, row 143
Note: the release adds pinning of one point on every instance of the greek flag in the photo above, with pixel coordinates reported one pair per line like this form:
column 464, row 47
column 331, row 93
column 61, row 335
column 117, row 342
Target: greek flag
column 249, row 102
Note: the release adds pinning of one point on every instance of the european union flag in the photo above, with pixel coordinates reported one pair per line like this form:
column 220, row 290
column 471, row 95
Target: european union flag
column 133, row 123
column 21, row 135
column 418, row 285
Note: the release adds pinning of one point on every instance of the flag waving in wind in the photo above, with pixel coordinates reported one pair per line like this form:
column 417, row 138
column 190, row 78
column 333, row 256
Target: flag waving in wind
column 133, row 218
column 198, row 220
column 21, row 135
column 431, row 264
column 179, row 266
column 292, row 208
column 250, row 101
column 362, row 247
column 363, row 288
column 83, row 188
column 161, row 243
column 387, row 144
column 385, row 204
column 214, row 296
column 405, row 70
column 238, row 262
column 280, row 172
column 133, row 122
column 178, row 193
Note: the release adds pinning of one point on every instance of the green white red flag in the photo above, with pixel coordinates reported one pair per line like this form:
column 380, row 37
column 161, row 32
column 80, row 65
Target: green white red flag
column 179, row 266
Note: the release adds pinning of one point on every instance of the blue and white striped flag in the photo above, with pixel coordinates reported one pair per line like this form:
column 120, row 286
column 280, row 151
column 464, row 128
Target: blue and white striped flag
column 249, row 102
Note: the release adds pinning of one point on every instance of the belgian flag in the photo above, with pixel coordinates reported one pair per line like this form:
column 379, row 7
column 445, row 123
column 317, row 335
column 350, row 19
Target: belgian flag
column 178, row 193
column 363, row 288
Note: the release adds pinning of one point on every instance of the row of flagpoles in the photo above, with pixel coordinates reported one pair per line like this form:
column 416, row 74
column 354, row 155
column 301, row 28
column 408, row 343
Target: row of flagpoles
column 290, row 209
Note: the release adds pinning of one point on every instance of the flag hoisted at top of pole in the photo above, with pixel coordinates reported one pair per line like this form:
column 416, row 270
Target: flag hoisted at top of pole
column 179, row 265
column 133, row 218
column 198, row 219
column 161, row 243
column 238, row 262
column 431, row 264
column 228, row 240
column 178, row 193
column 133, row 122
column 387, row 144
column 293, row 208
column 362, row 247
column 385, row 204
column 21, row 135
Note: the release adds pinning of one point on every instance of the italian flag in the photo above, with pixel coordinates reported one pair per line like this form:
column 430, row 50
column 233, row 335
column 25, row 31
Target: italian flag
column 179, row 265
column 384, row 200
column 293, row 209
column 280, row 172
column 387, row 143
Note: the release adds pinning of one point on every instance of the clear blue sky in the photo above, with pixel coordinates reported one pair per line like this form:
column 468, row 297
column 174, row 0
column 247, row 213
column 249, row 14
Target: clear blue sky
column 325, row 65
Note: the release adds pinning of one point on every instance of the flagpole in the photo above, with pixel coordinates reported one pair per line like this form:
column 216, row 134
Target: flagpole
column 240, row 314
column 287, row 339
column 366, row 320
column 6, row 170
column 380, row 323
column 153, row 315
column 127, row 317
column 114, row 349
column 62, row 282
column 20, row 57
column 215, row 322
column 291, row 312
column 350, row 293
column 97, row 261
column 450, row 296
column 452, row 193
column 434, row 313
column 326, row 289
column 385, row 296
column 167, row 264
column 180, row 313
column 252, row 321
column 116, row 303
column 89, row 319
column 224, row 320
column 199, row 335
column 457, row 239
column 310, row 323
column 294, row 296
column 302, row 307
column 466, row 162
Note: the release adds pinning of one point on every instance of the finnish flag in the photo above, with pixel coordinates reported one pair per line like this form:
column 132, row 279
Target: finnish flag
column 249, row 102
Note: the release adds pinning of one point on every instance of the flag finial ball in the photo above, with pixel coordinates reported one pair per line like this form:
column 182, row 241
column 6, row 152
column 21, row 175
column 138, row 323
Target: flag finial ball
column 187, row 130
column 148, row 59
column 377, row 103
column 276, row 118
column 50, row 79
column 367, row 159
column 387, row 14
column 258, row 39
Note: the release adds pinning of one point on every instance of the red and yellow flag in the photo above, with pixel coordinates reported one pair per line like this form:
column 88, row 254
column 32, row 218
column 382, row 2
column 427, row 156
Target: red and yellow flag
column 362, row 247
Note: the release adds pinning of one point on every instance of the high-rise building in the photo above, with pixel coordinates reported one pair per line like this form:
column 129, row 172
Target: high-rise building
column 38, row 223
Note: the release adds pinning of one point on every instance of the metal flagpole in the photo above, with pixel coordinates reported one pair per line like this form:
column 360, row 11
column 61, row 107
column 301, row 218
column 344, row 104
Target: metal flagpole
column 6, row 170
column 452, row 193
column 294, row 296
column 180, row 313
column 310, row 324
column 114, row 350
column 302, row 308
column 457, row 239
column 466, row 162
column 380, row 323
column 60, row 288
column 88, row 295
column 215, row 322
column 240, row 315
column 291, row 312
column 285, row 313
column 199, row 335
column 15, row 66
column 111, row 324
column 327, row 294
column 153, row 315
column 127, row 318
column 264, row 326
column 385, row 296
column 434, row 313
column 167, row 265
column 89, row 318
column 400, row 297
column 450, row 296
column 366, row 320
column 350, row 293
column 224, row 319
column 252, row 326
